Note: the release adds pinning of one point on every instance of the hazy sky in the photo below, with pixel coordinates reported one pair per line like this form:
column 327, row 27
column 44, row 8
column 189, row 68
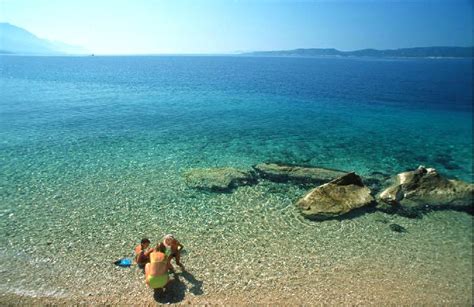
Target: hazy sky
column 221, row 26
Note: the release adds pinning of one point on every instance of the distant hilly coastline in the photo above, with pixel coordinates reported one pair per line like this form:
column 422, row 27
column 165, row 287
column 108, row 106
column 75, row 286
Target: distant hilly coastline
column 16, row 40
column 418, row 52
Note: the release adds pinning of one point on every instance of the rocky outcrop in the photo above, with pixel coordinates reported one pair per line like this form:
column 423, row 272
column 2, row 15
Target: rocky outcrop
column 376, row 181
column 218, row 179
column 335, row 198
column 298, row 174
column 425, row 187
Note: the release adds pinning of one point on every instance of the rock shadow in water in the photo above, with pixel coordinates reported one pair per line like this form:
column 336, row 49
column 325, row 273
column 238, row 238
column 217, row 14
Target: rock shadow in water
column 418, row 213
column 347, row 216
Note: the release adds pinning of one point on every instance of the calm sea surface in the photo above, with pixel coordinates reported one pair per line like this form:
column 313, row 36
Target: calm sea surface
column 93, row 151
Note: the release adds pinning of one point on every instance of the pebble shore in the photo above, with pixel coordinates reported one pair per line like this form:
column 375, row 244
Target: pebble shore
column 345, row 266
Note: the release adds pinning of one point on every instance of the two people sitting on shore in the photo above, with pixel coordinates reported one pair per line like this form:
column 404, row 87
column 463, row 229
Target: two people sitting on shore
column 157, row 261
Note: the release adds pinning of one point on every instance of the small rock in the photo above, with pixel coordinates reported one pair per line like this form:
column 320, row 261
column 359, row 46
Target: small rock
column 397, row 228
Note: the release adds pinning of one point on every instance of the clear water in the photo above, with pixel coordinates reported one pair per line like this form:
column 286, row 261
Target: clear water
column 92, row 152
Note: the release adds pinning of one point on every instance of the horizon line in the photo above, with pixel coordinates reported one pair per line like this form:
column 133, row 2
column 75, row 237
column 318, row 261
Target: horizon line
column 256, row 51
column 230, row 53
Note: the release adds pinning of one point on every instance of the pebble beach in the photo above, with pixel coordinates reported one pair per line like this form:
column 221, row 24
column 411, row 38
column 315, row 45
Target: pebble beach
column 93, row 160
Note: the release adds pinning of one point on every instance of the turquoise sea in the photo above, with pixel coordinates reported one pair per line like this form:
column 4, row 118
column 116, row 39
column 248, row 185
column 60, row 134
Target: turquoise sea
column 93, row 151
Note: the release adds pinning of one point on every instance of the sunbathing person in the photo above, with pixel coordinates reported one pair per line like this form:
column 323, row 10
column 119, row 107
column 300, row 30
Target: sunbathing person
column 156, row 271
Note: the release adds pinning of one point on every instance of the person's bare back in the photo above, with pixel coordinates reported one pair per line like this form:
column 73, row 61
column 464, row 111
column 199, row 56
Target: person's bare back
column 156, row 271
column 175, row 248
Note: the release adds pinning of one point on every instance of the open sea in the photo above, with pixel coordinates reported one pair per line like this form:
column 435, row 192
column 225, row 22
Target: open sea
column 93, row 152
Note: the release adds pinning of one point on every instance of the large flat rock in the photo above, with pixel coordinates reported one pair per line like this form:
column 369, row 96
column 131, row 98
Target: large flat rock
column 218, row 179
column 335, row 198
column 284, row 173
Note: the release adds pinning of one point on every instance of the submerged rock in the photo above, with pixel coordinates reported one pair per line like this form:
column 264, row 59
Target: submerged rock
column 335, row 198
column 218, row 179
column 284, row 173
column 425, row 187
column 397, row 228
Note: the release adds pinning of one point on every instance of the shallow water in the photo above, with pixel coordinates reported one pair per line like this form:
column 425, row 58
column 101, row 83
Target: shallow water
column 93, row 152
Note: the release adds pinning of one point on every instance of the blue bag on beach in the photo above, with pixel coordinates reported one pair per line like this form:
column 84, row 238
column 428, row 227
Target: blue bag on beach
column 124, row 262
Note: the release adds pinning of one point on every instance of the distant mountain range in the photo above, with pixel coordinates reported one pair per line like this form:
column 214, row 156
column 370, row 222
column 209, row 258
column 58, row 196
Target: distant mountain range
column 15, row 40
column 418, row 52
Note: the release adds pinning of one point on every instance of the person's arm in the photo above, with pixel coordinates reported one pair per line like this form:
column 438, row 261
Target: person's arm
column 148, row 252
column 135, row 254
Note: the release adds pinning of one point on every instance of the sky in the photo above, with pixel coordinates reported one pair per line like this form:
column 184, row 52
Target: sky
column 228, row 26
